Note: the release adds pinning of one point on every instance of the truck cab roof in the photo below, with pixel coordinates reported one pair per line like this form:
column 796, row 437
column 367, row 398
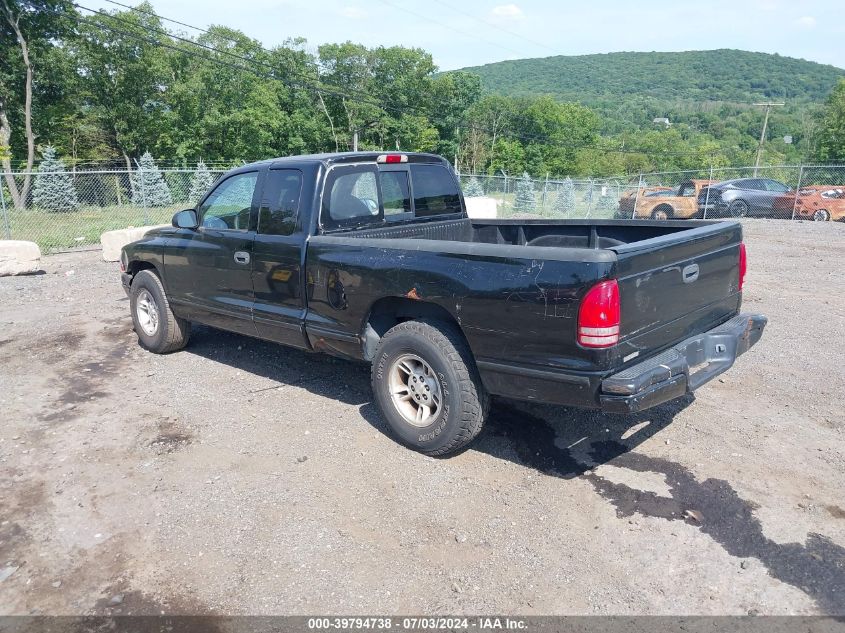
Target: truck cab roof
column 338, row 158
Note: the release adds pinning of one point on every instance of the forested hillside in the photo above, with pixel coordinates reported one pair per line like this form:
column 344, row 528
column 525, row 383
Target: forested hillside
column 707, row 96
column 694, row 76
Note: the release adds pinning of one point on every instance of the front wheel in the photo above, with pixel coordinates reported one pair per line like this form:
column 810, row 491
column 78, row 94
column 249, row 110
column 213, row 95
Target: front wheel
column 821, row 215
column 662, row 213
column 427, row 387
column 158, row 329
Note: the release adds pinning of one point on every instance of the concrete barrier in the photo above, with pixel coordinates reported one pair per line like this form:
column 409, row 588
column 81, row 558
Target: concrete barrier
column 19, row 258
column 481, row 208
column 113, row 241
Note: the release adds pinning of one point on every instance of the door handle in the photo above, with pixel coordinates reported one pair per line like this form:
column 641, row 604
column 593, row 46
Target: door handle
column 241, row 257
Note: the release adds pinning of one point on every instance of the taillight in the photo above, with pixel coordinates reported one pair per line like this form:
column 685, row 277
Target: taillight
column 598, row 316
column 743, row 264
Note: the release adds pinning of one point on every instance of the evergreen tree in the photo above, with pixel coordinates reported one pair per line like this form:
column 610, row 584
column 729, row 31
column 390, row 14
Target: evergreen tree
column 201, row 181
column 565, row 201
column 525, row 200
column 609, row 201
column 53, row 189
column 148, row 186
column 473, row 188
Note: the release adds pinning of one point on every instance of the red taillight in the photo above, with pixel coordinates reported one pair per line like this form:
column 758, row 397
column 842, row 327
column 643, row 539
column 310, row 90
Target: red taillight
column 743, row 264
column 598, row 316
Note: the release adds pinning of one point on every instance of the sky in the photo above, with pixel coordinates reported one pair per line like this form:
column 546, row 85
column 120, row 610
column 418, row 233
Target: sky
column 462, row 33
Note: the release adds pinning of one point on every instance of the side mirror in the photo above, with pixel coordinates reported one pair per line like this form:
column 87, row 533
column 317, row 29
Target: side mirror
column 186, row 219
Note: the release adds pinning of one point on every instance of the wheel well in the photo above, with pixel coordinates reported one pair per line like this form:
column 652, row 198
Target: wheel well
column 668, row 208
column 137, row 266
column 390, row 311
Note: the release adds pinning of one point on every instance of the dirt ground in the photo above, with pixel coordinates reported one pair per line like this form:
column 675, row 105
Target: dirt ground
column 241, row 477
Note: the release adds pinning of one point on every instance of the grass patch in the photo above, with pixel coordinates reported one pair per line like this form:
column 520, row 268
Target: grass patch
column 63, row 231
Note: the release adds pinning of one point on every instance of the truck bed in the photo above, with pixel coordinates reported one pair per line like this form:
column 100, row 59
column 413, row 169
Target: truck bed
column 514, row 286
column 590, row 234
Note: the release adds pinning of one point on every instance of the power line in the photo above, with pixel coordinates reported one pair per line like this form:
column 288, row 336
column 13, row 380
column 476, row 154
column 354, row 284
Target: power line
column 494, row 25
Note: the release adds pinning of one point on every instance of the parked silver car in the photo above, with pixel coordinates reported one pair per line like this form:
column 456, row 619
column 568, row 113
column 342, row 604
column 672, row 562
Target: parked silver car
column 741, row 197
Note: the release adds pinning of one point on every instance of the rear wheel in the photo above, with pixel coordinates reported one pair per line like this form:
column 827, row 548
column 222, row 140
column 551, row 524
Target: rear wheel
column 662, row 212
column 427, row 387
column 738, row 208
column 158, row 329
column 821, row 215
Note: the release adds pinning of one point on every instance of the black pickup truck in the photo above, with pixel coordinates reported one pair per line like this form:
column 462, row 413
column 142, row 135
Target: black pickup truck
column 372, row 257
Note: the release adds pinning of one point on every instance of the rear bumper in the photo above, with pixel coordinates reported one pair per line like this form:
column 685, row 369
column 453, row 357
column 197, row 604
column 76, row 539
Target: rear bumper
column 682, row 368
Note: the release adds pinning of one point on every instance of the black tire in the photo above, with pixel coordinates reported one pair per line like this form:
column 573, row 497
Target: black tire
column 738, row 209
column 464, row 402
column 170, row 332
column 821, row 215
column 663, row 212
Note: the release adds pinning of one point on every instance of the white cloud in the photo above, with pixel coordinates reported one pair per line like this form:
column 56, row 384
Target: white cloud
column 807, row 22
column 353, row 13
column 508, row 11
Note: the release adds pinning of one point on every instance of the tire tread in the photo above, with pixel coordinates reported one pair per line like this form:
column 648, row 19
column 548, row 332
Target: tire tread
column 176, row 330
column 475, row 402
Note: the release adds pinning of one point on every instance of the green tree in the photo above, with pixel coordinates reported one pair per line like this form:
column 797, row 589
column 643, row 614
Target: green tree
column 29, row 30
column 53, row 189
column 126, row 78
column 832, row 132
column 508, row 156
column 149, row 188
column 201, row 181
column 564, row 204
column 525, row 200
column 473, row 188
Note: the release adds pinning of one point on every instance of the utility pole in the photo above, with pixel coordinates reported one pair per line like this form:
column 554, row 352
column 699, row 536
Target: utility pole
column 768, row 107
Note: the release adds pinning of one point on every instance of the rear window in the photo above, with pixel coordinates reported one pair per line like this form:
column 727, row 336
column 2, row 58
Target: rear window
column 396, row 197
column 435, row 191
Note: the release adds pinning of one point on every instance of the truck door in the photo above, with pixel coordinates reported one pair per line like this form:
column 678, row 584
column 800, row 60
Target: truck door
column 210, row 272
column 279, row 307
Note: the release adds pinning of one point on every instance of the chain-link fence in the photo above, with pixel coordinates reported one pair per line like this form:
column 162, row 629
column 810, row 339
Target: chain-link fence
column 545, row 197
column 65, row 210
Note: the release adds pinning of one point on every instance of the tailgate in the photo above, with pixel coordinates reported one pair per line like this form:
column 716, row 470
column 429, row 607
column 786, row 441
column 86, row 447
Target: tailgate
column 678, row 285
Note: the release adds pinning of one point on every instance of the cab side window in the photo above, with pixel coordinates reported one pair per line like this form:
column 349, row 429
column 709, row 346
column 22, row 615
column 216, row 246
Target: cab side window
column 228, row 207
column 280, row 203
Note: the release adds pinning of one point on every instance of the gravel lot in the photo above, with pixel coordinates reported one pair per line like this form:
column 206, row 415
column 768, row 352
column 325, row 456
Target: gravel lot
column 242, row 477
